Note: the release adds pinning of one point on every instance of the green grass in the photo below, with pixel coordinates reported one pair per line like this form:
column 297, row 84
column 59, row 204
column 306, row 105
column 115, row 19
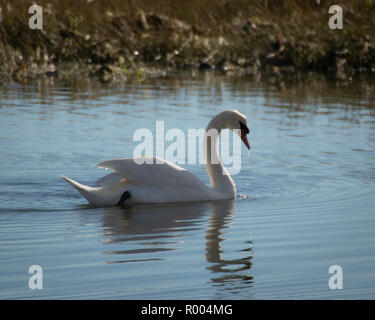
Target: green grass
column 106, row 39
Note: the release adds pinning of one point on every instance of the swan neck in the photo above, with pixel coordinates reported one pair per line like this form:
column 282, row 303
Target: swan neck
column 219, row 177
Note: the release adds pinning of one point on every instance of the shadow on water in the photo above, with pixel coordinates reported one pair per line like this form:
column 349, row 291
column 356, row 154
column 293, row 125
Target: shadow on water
column 145, row 229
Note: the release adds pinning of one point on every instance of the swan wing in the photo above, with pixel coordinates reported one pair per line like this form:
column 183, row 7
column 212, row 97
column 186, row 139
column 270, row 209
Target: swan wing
column 110, row 180
column 152, row 172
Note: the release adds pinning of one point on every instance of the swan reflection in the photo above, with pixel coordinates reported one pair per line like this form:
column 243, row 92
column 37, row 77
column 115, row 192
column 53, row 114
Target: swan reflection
column 148, row 231
column 227, row 269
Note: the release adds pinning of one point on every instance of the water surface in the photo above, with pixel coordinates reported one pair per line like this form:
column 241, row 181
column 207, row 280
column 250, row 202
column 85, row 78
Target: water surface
column 306, row 192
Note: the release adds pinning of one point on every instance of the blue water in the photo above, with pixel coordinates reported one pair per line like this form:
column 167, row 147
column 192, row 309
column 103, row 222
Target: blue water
column 306, row 192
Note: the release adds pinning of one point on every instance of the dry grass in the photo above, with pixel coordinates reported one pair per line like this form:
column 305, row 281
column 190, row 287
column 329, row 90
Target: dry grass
column 103, row 38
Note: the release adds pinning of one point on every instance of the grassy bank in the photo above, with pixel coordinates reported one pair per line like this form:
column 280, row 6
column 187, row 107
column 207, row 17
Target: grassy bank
column 116, row 39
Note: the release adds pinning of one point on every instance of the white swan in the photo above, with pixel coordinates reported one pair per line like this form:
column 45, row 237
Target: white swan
column 166, row 182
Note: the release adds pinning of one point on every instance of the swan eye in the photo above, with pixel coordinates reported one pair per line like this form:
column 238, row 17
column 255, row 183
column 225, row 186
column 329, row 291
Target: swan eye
column 244, row 127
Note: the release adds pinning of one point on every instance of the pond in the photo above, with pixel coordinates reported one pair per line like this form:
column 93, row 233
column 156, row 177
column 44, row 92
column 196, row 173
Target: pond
column 305, row 197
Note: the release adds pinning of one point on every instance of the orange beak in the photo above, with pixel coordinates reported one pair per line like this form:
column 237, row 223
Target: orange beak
column 244, row 139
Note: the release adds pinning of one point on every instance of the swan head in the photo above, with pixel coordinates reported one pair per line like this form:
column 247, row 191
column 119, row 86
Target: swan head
column 232, row 120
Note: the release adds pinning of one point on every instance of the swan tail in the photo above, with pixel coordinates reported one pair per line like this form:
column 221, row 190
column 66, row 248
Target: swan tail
column 85, row 191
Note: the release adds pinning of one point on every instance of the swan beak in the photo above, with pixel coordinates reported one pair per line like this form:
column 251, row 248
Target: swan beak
column 244, row 139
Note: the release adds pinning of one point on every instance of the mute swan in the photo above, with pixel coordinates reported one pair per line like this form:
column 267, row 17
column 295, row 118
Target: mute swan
column 166, row 182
